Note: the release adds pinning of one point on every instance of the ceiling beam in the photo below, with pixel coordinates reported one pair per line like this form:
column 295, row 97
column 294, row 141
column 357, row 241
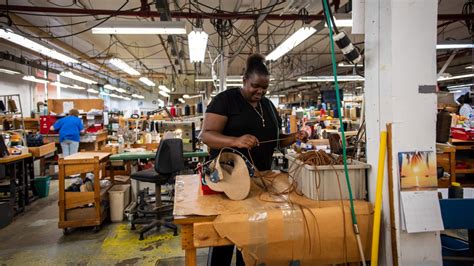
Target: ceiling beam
column 225, row 15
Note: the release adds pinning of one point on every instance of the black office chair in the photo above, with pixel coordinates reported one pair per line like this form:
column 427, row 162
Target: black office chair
column 168, row 162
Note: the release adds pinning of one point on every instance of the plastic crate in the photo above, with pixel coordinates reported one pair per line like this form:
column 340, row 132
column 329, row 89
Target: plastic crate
column 321, row 182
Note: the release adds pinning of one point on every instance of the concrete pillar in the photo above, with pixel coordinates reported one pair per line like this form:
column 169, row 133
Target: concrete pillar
column 400, row 55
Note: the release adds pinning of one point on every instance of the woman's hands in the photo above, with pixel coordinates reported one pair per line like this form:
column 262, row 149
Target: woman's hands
column 246, row 141
column 302, row 135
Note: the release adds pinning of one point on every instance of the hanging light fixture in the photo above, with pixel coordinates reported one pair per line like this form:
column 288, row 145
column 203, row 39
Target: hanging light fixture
column 197, row 43
column 119, row 63
column 147, row 81
column 71, row 75
column 9, row 35
column 164, row 94
column 294, row 40
column 140, row 27
column 10, row 71
column 93, row 91
column 35, row 79
column 138, row 96
column 164, row 88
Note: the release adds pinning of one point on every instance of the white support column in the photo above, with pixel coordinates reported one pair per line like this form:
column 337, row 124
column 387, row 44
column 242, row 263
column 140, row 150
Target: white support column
column 400, row 55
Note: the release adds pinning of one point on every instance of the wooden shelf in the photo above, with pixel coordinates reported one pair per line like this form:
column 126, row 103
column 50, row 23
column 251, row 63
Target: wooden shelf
column 464, row 171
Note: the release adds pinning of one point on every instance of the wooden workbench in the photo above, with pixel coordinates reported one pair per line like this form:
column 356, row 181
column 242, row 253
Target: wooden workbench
column 96, row 145
column 446, row 158
column 21, row 170
column 202, row 216
column 465, row 146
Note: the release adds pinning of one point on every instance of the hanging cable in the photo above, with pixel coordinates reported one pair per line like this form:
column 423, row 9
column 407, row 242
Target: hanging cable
column 343, row 135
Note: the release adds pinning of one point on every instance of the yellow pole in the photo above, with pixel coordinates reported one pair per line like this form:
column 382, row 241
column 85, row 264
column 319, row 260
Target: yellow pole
column 378, row 199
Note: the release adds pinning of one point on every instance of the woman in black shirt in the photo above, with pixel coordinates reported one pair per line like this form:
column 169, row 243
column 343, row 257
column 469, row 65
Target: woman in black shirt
column 241, row 118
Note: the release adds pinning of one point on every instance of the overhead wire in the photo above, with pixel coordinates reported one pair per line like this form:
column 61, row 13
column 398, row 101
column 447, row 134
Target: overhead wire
column 72, row 34
column 252, row 11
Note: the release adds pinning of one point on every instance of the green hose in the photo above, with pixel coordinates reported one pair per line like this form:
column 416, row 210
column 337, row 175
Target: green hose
column 338, row 101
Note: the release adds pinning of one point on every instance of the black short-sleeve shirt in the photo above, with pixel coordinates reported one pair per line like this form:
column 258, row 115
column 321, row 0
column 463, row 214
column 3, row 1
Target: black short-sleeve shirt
column 243, row 119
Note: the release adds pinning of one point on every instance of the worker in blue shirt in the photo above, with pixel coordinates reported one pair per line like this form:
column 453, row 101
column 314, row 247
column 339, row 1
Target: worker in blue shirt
column 70, row 128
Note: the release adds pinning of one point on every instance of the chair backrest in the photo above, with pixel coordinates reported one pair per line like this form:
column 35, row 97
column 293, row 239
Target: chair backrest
column 169, row 157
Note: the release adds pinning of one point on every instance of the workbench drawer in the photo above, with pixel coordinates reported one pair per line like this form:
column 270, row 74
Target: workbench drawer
column 42, row 150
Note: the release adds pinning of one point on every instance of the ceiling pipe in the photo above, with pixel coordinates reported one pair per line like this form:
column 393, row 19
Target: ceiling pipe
column 146, row 13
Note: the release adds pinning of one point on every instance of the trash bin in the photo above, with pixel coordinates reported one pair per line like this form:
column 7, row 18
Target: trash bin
column 42, row 185
column 119, row 197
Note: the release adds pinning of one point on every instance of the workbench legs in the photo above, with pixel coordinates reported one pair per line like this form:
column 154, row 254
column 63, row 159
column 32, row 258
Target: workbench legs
column 187, row 243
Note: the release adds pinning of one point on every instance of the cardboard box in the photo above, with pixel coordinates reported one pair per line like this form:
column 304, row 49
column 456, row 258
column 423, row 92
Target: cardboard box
column 42, row 150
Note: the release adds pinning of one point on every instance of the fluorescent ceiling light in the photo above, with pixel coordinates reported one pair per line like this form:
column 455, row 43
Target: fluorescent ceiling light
column 455, row 77
column 147, row 81
column 204, row 80
column 294, row 40
column 329, row 78
column 460, row 86
column 35, row 79
column 161, row 102
column 113, row 88
column 469, row 67
column 164, row 94
column 455, row 45
column 10, row 71
column 124, row 66
column 234, row 79
column 186, row 96
column 181, row 100
column 74, row 86
column 34, row 46
column 234, row 84
column 197, row 43
column 110, row 87
column 127, row 98
column 228, row 79
column 69, row 74
column 140, row 27
column 93, row 91
column 341, row 22
column 138, row 96
column 343, row 64
column 164, row 88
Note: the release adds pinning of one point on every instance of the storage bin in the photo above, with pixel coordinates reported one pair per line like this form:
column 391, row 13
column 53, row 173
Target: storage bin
column 119, row 198
column 42, row 185
column 321, row 182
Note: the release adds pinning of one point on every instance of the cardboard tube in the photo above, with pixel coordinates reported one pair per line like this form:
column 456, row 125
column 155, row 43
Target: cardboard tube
column 378, row 199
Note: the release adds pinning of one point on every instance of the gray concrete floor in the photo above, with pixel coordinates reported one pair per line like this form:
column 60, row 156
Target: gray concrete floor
column 35, row 239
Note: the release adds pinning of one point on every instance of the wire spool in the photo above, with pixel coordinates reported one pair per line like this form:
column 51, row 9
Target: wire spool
column 12, row 106
column 199, row 108
column 2, row 106
column 335, row 143
column 179, row 111
column 187, row 110
column 443, row 126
